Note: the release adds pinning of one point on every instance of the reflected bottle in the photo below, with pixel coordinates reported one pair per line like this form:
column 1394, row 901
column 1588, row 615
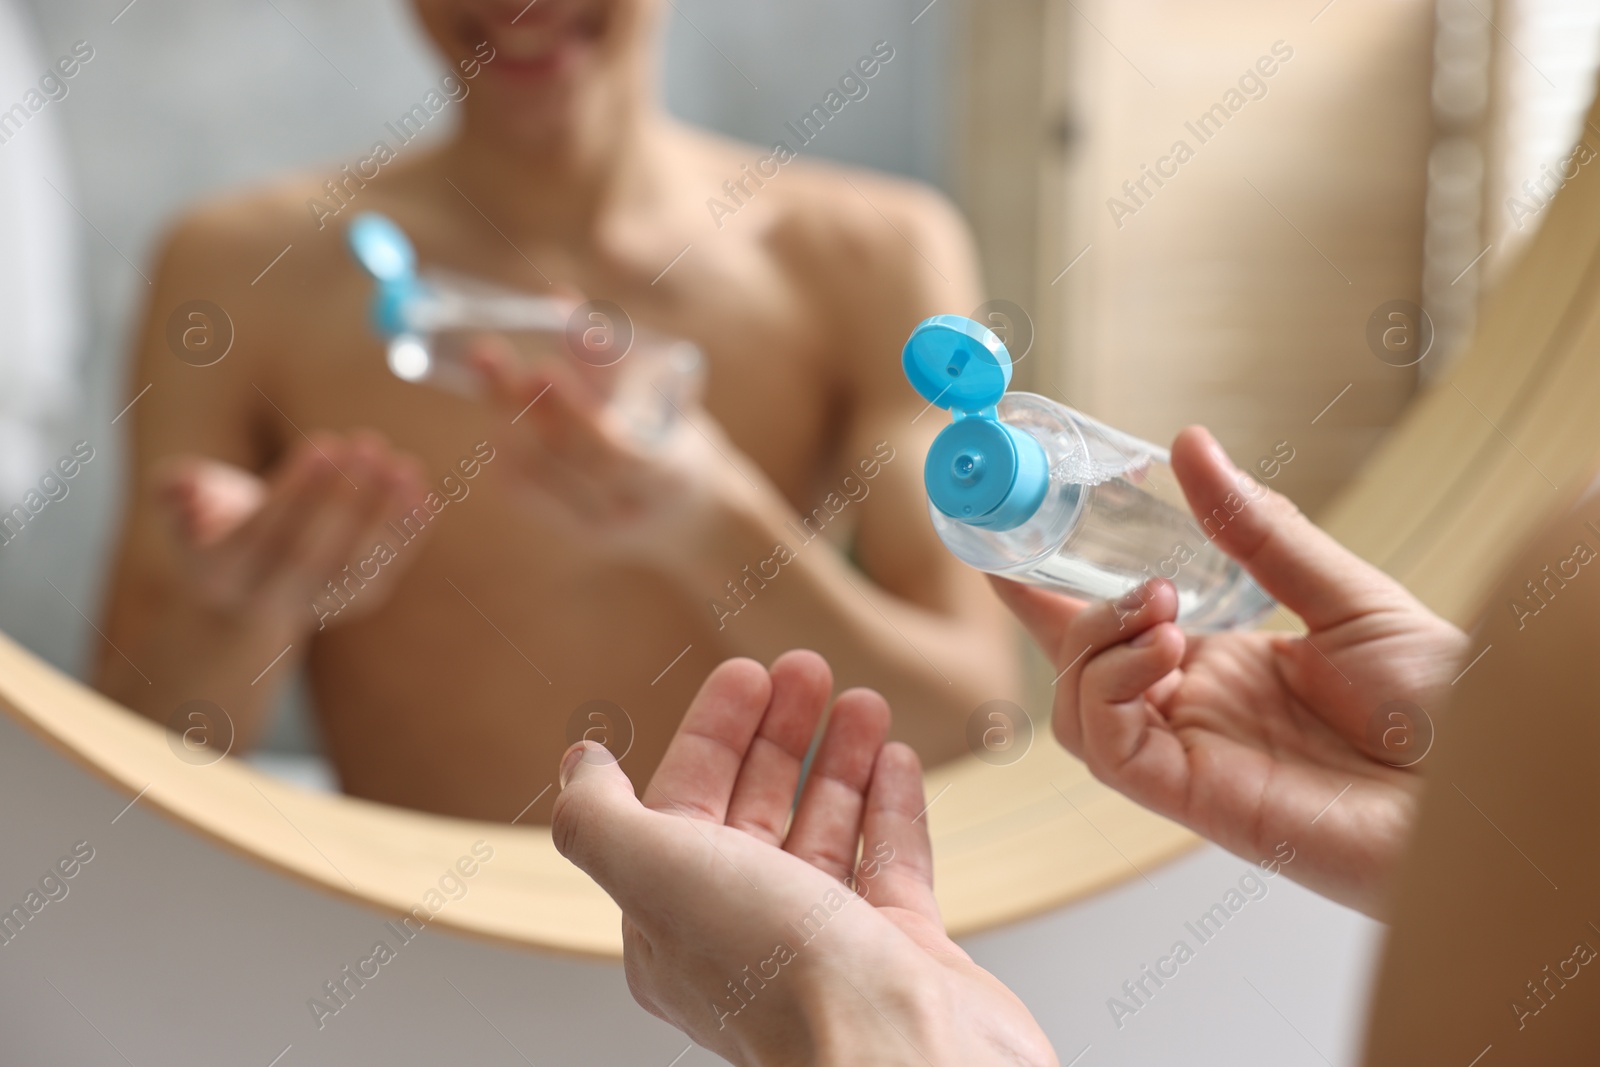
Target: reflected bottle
column 1024, row 487
column 433, row 322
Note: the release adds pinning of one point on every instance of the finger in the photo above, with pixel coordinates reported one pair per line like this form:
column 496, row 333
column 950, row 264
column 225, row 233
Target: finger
column 573, row 429
column 327, row 536
column 1116, row 712
column 1100, row 626
column 1044, row 614
column 403, row 492
column 548, row 462
column 1287, row 554
column 351, row 528
column 303, row 468
column 599, row 825
column 827, row 823
column 206, row 500
column 348, row 519
column 299, row 492
column 763, row 795
column 896, row 867
column 697, row 775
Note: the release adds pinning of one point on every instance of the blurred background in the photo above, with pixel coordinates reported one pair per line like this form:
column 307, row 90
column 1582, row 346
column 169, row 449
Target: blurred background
column 187, row 100
column 1399, row 151
column 1383, row 162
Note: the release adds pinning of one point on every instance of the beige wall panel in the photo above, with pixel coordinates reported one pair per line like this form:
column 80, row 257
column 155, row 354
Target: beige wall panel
column 1237, row 293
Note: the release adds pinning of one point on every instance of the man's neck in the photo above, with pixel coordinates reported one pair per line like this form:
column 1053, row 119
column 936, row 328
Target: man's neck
column 559, row 186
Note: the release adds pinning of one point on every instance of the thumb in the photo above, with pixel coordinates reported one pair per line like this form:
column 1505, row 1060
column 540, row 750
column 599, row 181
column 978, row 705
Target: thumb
column 598, row 823
column 206, row 499
column 1286, row 553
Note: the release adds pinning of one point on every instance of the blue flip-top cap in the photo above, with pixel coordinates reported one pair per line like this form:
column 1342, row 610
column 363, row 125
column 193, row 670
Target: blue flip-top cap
column 385, row 253
column 979, row 471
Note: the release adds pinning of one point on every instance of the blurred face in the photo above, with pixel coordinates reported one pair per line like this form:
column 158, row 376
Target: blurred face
column 544, row 67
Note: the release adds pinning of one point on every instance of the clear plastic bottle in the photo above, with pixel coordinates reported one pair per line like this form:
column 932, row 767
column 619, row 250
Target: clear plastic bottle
column 433, row 322
column 1024, row 487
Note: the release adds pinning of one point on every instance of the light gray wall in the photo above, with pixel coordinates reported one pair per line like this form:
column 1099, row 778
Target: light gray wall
column 186, row 98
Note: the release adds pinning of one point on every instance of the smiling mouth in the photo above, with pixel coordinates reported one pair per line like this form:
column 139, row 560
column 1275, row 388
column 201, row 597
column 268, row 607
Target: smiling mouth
column 538, row 38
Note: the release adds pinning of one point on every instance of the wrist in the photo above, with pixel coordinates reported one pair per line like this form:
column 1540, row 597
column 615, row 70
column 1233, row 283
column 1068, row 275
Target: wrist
column 250, row 625
column 221, row 647
column 874, row 1012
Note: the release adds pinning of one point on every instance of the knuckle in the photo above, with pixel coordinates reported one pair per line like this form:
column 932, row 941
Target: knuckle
column 831, row 862
column 566, row 821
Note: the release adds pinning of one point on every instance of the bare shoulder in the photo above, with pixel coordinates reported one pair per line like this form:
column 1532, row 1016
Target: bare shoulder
column 820, row 216
column 835, row 221
column 240, row 283
column 871, row 254
column 223, row 238
column 883, row 252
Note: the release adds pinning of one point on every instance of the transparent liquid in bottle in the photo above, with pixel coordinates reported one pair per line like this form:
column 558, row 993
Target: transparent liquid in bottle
column 1113, row 517
column 436, row 321
column 647, row 379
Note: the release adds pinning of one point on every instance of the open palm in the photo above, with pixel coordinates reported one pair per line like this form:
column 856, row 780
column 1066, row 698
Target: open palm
column 1276, row 746
column 269, row 546
column 741, row 924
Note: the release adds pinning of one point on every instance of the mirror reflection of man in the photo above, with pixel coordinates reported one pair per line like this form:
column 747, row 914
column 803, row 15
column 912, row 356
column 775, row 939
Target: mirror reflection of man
column 563, row 565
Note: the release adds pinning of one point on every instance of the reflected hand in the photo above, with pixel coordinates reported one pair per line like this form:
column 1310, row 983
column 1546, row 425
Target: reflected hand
column 264, row 549
column 581, row 470
column 1263, row 743
column 740, row 927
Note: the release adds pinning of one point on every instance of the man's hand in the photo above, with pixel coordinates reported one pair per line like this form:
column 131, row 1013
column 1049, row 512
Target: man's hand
column 771, row 941
column 1255, row 739
column 582, row 471
column 266, row 549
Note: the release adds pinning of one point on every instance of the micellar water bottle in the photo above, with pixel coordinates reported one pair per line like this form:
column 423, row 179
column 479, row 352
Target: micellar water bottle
column 433, row 322
column 1024, row 487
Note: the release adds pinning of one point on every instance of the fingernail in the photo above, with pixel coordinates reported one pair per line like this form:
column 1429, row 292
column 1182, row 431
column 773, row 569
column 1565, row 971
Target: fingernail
column 1144, row 640
column 1132, row 600
column 570, row 761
